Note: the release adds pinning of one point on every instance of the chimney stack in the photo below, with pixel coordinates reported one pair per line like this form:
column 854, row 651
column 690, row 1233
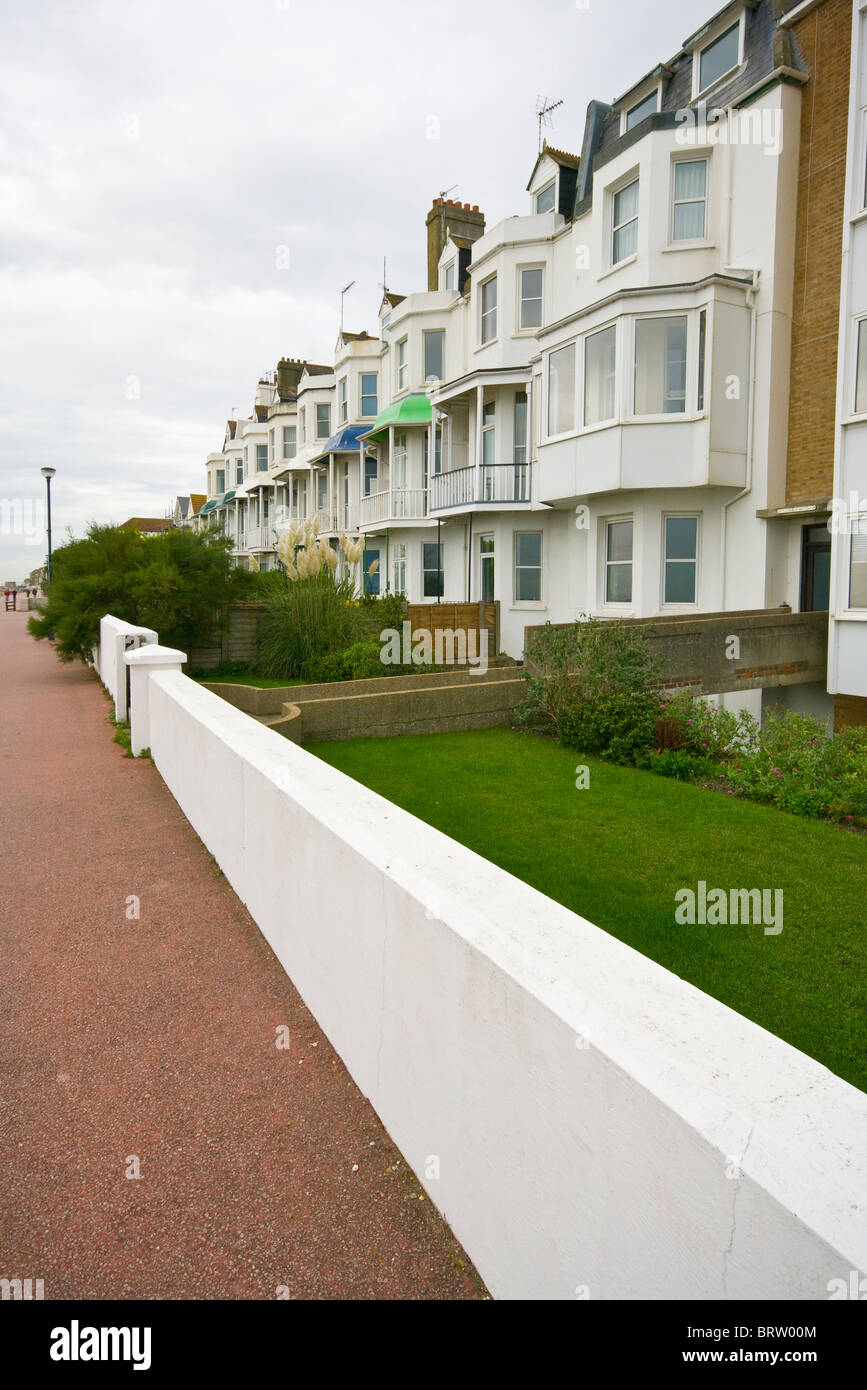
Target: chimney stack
column 289, row 371
column 447, row 217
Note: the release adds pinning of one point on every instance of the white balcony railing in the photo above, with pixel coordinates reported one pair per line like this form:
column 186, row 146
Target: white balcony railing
column 395, row 504
column 492, row 483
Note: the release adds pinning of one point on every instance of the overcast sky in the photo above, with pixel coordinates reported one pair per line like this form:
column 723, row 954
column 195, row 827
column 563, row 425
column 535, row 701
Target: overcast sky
column 155, row 158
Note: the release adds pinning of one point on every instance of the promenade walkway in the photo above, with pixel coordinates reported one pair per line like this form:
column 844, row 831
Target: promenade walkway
column 147, row 1043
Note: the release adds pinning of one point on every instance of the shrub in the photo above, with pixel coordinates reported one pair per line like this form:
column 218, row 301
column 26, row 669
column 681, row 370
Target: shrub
column 178, row 583
column 620, row 725
column 797, row 767
column 587, row 664
column 703, row 729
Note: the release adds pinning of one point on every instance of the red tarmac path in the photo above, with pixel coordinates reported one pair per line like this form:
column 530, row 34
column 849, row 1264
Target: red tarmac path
column 156, row 1037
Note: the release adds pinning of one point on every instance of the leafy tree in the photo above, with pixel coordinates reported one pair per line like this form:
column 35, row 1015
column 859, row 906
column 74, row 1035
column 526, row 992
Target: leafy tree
column 178, row 583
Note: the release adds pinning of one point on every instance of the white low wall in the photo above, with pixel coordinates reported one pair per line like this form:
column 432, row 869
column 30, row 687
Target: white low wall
column 115, row 638
column 589, row 1112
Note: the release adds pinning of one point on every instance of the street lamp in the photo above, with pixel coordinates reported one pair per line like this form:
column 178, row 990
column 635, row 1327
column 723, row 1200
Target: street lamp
column 48, row 474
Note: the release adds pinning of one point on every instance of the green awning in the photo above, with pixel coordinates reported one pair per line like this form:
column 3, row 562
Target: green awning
column 208, row 507
column 226, row 497
column 412, row 410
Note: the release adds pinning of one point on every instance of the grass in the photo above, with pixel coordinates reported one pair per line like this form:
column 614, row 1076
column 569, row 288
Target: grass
column 618, row 851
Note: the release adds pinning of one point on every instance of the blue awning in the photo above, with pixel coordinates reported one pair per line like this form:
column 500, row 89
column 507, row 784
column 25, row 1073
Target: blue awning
column 345, row 441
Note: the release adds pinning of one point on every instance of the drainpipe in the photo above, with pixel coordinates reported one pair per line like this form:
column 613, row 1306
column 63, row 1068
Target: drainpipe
column 751, row 301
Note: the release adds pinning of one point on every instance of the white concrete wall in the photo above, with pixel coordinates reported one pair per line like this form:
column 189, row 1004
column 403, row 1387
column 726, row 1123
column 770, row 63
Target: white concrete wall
column 585, row 1106
column 116, row 637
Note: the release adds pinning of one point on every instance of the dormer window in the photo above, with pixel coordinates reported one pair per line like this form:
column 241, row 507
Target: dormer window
column 648, row 106
column 718, row 58
column 546, row 197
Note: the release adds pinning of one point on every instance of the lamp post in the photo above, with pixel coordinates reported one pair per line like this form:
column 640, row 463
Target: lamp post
column 48, row 474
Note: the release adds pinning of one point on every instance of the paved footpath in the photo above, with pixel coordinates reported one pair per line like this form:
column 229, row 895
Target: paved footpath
column 155, row 1039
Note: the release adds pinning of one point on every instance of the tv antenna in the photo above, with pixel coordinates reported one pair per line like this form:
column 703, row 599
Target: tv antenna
column 448, row 190
column 544, row 107
column 343, row 294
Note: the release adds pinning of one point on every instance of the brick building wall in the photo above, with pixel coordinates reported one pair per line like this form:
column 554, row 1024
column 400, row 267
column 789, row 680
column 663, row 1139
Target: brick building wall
column 823, row 37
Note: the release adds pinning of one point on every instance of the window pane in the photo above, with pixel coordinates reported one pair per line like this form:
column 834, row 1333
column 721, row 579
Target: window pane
column 702, row 334
column 434, row 344
column 690, row 177
column 688, row 221
column 641, row 111
column 528, row 548
column 368, row 393
column 858, row 573
column 599, row 350
column 432, row 578
column 626, row 203
column 660, row 366
column 681, row 534
column 449, row 277
column 680, row 583
column 531, row 284
column 625, row 242
column 545, row 199
column 561, row 390
column 489, row 310
column 618, row 586
column 619, row 540
column 861, row 371
column 719, row 57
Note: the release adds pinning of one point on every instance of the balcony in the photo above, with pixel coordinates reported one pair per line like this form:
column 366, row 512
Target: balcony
column 260, row 537
column 495, row 484
column 395, row 504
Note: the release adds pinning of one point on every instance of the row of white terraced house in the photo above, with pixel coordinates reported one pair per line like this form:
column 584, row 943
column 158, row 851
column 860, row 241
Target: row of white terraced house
column 586, row 409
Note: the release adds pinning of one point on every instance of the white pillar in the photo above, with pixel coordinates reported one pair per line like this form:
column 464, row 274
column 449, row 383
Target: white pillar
column 142, row 663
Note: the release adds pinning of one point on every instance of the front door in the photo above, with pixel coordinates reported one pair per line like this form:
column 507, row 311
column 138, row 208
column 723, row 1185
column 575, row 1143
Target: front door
column 816, row 569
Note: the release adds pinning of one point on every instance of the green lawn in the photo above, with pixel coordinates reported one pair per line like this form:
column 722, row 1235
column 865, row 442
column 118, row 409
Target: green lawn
column 618, row 851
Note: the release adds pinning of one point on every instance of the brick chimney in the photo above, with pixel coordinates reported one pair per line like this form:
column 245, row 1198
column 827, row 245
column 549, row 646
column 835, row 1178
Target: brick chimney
column 447, row 217
column 289, row 371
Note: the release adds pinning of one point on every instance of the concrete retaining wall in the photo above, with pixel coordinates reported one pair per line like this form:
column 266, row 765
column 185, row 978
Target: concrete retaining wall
column 422, row 709
column 259, row 702
column 777, row 647
column 599, row 1127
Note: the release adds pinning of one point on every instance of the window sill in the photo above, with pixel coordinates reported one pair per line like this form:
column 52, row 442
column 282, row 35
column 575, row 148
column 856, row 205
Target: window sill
column 621, row 265
column 859, row 217
column 851, row 615
column 858, row 419
column 530, row 605
column 733, row 72
column 688, row 245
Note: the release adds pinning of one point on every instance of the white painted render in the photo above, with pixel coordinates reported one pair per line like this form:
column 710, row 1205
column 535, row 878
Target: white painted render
column 600, row 1128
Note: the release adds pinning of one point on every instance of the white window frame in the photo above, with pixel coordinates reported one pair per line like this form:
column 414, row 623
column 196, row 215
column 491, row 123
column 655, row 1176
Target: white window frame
column 859, row 520
column 581, row 381
column 399, row 558
column 694, row 157
column 483, row 314
column 528, row 602
column 620, row 187
column 627, row 110
column 272, row 445
column 857, row 347
column 551, row 184
column 519, row 299
column 675, row 515
column 616, row 604
column 384, row 330
column 323, row 405
column 573, row 343
column 302, row 416
column 691, row 373
column 343, row 399
column 402, row 363
column 450, row 269
column 293, row 445
column 722, row 29
column 427, row 333
column 362, row 395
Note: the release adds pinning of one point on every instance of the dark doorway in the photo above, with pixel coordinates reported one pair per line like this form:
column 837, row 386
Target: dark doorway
column 815, row 569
